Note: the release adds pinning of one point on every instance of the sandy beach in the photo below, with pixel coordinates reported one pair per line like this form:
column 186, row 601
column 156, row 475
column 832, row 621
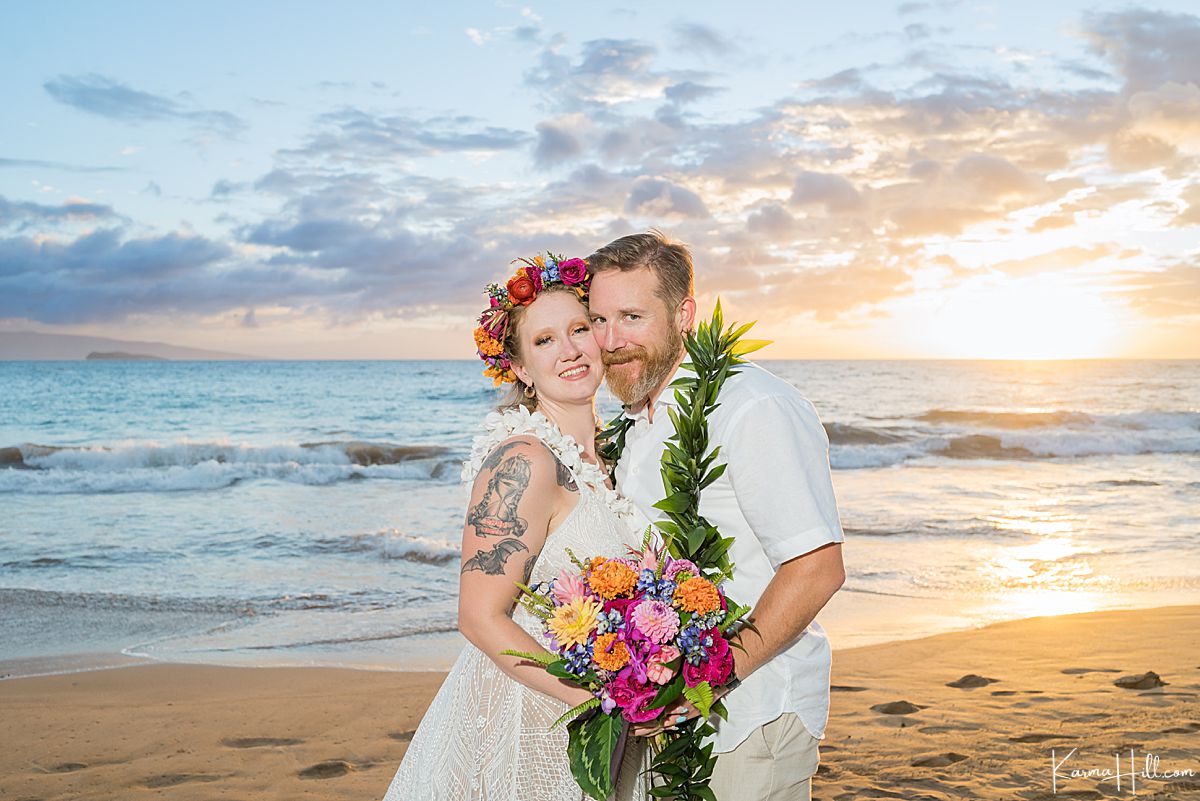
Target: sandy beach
column 897, row 728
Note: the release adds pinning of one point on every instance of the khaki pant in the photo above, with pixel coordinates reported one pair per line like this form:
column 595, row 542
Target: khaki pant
column 775, row 763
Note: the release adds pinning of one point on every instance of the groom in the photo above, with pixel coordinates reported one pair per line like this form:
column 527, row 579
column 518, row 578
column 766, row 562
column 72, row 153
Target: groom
column 775, row 499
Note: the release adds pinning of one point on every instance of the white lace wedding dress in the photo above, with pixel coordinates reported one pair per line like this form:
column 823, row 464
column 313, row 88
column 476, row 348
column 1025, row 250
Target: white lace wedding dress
column 486, row 736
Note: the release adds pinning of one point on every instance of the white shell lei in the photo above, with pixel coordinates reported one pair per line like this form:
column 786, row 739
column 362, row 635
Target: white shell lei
column 499, row 426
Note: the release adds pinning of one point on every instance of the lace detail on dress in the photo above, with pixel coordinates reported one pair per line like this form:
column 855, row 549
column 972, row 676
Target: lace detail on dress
column 486, row 736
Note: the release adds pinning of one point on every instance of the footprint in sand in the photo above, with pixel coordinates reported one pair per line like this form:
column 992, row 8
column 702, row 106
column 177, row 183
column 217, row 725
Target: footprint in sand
column 173, row 779
column 944, row 729
column 330, row 769
column 939, row 761
column 1081, row 671
column 1041, row 738
column 258, row 742
column 67, row 767
column 402, row 736
column 1004, row 692
column 846, row 688
column 897, row 708
column 1189, row 728
column 1146, row 681
column 971, row 681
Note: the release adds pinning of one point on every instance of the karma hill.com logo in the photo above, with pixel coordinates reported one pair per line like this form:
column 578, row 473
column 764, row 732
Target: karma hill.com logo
column 1125, row 773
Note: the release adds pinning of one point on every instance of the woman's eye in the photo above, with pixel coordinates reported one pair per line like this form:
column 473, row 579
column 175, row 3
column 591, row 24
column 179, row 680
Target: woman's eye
column 541, row 340
column 582, row 329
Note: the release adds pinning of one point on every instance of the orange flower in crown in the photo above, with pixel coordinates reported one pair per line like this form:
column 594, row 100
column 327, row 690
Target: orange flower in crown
column 533, row 276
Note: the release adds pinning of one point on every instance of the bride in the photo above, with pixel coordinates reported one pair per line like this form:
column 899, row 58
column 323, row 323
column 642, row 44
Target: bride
column 538, row 489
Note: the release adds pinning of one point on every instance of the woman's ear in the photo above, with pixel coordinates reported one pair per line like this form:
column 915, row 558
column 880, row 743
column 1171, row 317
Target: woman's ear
column 522, row 374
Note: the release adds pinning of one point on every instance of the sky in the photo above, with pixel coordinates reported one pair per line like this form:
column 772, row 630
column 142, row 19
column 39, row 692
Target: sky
column 946, row 179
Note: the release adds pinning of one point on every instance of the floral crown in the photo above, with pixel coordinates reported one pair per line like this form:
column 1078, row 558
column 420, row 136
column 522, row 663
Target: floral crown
column 532, row 277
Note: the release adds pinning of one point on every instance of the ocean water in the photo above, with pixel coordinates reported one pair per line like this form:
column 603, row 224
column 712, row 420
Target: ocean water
column 309, row 512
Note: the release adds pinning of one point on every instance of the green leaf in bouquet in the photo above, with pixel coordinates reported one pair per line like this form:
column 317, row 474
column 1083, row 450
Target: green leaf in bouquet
column 558, row 669
column 719, row 710
column 701, row 697
column 575, row 711
column 543, row 658
column 591, row 741
column 695, row 538
column 667, row 693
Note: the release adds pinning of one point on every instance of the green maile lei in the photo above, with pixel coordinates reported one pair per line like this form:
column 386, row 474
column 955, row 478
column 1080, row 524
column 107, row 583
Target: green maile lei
column 688, row 467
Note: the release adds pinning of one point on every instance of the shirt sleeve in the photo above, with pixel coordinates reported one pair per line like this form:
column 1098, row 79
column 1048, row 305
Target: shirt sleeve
column 778, row 457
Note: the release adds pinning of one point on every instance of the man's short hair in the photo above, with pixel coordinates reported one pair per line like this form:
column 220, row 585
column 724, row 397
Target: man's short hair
column 670, row 261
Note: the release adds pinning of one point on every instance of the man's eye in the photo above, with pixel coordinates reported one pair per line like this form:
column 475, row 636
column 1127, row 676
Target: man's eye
column 633, row 317
column 597, row 321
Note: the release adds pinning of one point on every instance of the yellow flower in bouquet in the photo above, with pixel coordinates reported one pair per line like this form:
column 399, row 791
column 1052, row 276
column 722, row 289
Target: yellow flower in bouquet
column 572, row 623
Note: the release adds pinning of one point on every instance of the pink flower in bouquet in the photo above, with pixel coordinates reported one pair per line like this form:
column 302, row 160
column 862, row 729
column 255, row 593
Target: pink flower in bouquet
column 678, row 566
column 657, row 670
column 649, row 561
column 572, row 271
column 716, row 669
column 633, row 698
column 568, row 587
column 657, row 620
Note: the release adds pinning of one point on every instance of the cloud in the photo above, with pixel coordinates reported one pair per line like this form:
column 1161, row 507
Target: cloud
column 556, row 143
column 355, row 135
column 610, row 72
column 104, row 97
column 833, row 192
column 57, row 165
column 689, row 92
column 25, row 214
column 694, row 37
column 1173, row 291
column 654, row 197
column 101, row 276
column 1149, row 48
column 1054, row 261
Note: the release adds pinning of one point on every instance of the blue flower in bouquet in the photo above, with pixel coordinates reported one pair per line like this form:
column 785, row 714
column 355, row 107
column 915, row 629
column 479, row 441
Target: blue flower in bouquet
column 613, row 621
column 579, row 658
column 659, row 589
column 694, row 643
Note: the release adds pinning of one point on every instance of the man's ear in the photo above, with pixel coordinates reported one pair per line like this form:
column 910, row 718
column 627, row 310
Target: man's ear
column 685, row 318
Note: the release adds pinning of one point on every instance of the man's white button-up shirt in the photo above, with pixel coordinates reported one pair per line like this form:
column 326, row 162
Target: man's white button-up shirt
column 776, row 500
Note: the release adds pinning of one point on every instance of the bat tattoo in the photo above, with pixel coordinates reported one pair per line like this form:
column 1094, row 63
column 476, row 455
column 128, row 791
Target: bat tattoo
column 492, row 562
column 563, row 475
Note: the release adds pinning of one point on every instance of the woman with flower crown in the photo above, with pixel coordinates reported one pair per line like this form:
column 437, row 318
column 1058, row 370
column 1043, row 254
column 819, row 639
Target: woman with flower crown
column 537, row 490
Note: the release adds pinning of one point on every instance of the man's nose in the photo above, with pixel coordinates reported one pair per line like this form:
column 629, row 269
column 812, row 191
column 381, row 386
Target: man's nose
column 612, row 338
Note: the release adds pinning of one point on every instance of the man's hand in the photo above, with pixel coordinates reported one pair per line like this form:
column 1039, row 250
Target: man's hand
column 681, row 709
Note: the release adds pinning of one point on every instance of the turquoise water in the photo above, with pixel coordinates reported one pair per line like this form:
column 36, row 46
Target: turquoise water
column 308, row 512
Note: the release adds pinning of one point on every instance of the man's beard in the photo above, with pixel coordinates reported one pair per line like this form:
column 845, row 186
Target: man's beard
column 631, row 388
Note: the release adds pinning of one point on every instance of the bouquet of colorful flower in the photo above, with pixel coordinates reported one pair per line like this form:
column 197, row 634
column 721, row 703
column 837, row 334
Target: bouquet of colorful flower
column 639, row 632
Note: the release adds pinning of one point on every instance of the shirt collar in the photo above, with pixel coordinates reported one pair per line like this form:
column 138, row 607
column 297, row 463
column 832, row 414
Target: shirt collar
column 665, row 398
